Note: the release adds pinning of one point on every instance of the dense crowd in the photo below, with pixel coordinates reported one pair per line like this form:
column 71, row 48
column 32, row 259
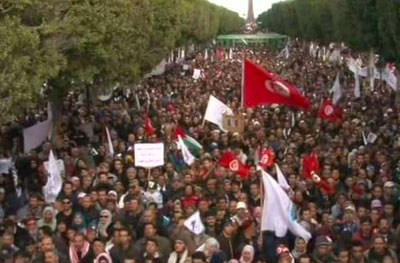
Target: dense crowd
column 110, row 211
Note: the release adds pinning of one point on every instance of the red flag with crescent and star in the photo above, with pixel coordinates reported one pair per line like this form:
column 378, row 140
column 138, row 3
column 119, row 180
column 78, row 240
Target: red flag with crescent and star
column 311, row 168
column 261, row 87
column 330, row 111
column 267, row 157
column 230, row 161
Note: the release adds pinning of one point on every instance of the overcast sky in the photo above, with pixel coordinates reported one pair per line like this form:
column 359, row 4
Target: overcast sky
column 240, row 6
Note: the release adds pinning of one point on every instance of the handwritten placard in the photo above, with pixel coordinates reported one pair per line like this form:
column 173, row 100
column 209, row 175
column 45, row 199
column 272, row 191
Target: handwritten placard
column 149, row 155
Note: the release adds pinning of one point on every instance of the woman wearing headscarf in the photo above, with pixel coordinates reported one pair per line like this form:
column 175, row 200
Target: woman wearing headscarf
column 79, row 223
column 300, row 248
column 247, row 254
column 209, row 248
column 48, row 218
column 104, row 222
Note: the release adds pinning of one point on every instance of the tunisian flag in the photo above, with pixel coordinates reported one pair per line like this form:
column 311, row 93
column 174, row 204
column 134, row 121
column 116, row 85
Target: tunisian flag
column 260, row 87
column 267, row 158
column 148, row 126
column 311, row 167
column 330, row 111
column 230, row 161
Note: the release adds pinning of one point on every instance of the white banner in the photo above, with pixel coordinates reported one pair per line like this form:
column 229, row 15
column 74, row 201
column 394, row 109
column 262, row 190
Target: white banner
column 149, row 155
column 35, row 135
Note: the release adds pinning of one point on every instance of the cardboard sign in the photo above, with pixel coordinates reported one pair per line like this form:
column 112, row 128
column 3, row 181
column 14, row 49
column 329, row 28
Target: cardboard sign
column 233, row 123
column 149, row 155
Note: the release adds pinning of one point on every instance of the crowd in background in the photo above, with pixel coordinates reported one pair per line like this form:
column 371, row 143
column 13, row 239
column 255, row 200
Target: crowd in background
column 110, row 211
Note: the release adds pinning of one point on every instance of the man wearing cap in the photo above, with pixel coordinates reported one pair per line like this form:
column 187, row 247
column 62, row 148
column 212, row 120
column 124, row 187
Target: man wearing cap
column 349, row 219
column 241, row 213
column 322, row 252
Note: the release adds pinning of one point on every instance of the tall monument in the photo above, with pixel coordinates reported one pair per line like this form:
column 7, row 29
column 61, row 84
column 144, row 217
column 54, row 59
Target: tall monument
column 251, row 21
column 250, row 14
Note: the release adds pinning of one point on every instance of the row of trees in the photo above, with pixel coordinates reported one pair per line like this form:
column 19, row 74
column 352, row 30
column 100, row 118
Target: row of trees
column 64, row 44
column 361, row 24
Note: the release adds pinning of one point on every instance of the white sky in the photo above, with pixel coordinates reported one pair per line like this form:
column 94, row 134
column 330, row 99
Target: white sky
column 240, row 6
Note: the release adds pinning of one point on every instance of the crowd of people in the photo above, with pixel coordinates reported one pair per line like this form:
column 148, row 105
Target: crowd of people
column 110, row 211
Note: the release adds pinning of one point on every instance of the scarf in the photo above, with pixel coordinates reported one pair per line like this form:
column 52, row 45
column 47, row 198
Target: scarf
column 174, row 256
column 102, row 227
column 249, row 249
column 103, row 255
column 73, row 253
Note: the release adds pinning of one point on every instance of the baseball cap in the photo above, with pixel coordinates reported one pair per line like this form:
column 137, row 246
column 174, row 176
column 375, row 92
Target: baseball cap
column 376, row 204
column 241, row 205
column 388, row 184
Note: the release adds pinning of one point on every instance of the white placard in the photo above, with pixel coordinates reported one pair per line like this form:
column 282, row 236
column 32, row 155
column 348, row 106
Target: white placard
column 5, row 165
column 149, row 155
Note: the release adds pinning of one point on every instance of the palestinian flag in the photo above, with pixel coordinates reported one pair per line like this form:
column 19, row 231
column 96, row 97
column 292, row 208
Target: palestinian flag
column 192, row 145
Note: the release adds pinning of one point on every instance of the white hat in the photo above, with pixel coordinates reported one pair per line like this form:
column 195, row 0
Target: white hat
column 241, row 205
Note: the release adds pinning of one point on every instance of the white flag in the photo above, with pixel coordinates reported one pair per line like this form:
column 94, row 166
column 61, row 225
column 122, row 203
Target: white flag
column 357, row 89
column 194, row 224
column 364, row 138
column 196, row 73
column 109, row 141
column 187, row 156
column 390, row 78
column 284, row 53
column 206, row 54
column 336, row 90
column 230, row 53
column 371, row 69
column 281, row 179
column 277, row 210
column 215, row 111
column 54, row 181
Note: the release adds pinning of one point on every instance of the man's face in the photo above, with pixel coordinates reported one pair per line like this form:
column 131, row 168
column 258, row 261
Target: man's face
column 8, row 240
column 305, row 260
column 210, row 221
column 379, row 245
column 343, row 257
column 124, row 237
column 151, row 247
column 149, row 231
column 78, row 242
column 50, row 257
column 47, row 244
column 33, row 202
column 357, row 252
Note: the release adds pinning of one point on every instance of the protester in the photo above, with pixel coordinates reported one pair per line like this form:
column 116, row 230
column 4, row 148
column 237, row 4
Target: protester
column 108, row 210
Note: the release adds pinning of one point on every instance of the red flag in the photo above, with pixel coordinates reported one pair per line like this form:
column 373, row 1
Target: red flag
column 267, row 158
column 220, row 53
column 171, row 107
column 179, row 131
column 330, row 111
column 148, row 126
column 261, row 87
column 311, row 167
column 229, row 160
